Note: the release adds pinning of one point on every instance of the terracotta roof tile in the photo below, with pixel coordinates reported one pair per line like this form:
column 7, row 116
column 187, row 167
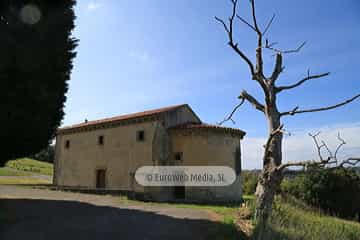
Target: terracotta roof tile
column 209, row 126
column 123, row 117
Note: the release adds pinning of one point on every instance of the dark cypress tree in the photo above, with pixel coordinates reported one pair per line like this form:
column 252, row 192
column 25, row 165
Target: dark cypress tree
column 36, row 54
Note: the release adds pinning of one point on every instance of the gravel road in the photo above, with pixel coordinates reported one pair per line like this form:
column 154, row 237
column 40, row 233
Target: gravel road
column 36, row 214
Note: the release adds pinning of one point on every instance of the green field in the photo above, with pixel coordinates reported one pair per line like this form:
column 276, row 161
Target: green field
column 27, row 165
column 24, row 181
column 6, row 171
column 26, row 171
column 293, row 220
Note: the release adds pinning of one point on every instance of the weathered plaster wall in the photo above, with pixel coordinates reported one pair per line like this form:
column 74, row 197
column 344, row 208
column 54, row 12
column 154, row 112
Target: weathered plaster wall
column 120, row 155
column 161, row 154
column 181, row 115
column 207, row 148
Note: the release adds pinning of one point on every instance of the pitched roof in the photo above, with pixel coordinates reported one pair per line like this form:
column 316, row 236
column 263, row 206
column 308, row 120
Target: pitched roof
column 211, row 127
column 122, row 117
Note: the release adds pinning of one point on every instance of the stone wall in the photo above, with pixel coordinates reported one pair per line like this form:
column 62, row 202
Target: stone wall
column 120, row 155
column 203, row 147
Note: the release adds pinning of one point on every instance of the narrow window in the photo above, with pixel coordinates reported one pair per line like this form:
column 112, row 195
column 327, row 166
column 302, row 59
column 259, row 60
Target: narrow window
column 101, row 178
column 140, row 136
column 178, row 156
column 67, row 144
column 101, row 140
column 237, row 161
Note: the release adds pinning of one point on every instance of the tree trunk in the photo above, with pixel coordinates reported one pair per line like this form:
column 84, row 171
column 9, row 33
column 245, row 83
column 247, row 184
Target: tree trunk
column 270, row 178
column 268, row 184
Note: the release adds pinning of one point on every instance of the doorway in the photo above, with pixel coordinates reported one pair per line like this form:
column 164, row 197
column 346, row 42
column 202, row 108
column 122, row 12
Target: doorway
column 100, row 178
column 179, row 192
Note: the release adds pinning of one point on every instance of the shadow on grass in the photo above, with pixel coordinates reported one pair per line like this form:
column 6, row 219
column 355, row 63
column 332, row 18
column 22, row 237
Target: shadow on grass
column 66, row 220
column 272, row 233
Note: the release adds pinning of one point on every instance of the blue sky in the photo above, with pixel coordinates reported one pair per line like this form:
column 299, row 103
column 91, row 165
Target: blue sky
column 138, row 55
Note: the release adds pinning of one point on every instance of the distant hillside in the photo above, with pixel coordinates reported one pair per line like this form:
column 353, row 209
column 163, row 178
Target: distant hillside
column 28, row 166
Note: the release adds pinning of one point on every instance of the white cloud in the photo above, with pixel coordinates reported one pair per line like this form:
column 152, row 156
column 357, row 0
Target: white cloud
column 93, row 5
column 300, row 146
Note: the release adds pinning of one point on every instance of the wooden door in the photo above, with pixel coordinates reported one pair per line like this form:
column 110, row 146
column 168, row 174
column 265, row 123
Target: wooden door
column 179, row 192
column 100, row 178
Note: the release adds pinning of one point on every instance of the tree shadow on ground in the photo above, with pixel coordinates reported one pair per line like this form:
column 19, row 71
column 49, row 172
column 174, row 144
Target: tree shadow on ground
column 66, row 220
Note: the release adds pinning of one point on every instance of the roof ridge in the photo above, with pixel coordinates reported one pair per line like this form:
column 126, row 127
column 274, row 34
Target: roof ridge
column 124, row 116
column 203, row 125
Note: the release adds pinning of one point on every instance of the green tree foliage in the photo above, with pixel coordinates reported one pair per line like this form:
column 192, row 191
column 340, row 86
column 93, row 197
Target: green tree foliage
column 46, row 155
column 36, row 54
column 249, row 181
column 336, row 191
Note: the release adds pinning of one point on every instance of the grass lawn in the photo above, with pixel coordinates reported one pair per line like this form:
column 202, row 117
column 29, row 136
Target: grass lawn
column 224, row 210
column 292, row 221
column 31, row 166
column 6, row 171
column 24, row 181
column 24, row 171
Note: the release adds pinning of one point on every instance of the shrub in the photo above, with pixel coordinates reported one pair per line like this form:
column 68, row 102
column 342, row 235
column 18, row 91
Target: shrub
column 249, row 182
column 335, row 191
column 46, row 155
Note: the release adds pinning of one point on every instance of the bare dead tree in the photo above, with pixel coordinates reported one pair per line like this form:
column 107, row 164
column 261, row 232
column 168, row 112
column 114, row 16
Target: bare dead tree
column 330, row 161
column 272, row 173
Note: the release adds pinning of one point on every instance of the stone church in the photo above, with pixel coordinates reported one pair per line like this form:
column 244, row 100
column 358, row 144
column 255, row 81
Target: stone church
column 104, row 154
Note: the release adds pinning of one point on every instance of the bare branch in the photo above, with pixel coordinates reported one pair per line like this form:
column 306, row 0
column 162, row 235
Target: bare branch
column 252, row 100
column 246, row 22
column 259, row 57
column 231, row 19
column 279, row 89
column 277, row 69
column 296, row 111
column 350, row 161
column 229, row 118
column 257, row 74
column 268, row 25
column 342, row 143
column 295, row 50
column 223, row 23
column 243, row 96
column 318, row 147
column 270, row 47
column 229, row 31
column 244, row 57
column 327, row 149
column 332, row 159
column 270, row 44
column 299, row 164
column 320, row 163
column 254, row 17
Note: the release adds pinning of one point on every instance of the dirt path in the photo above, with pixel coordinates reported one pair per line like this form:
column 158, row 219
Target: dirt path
column 44, row 214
